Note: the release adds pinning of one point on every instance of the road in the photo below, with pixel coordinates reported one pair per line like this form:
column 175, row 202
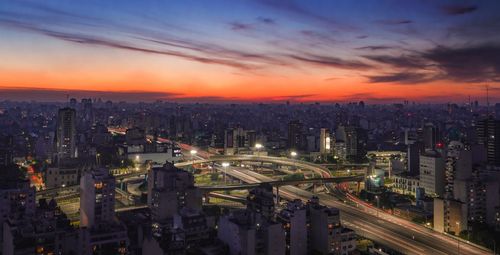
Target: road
column 388, row 230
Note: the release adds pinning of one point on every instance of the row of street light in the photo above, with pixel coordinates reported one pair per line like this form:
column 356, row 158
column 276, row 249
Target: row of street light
column 258, row 147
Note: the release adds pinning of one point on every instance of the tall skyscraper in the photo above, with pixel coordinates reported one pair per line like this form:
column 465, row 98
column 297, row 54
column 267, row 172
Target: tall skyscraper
column 66, row 134
column 295, row 135
column 356, row 139
column 324, row 141
column 97, row 198
column 488, row 134
column 430, row 136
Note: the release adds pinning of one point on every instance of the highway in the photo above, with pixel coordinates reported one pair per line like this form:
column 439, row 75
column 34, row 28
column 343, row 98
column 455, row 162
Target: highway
column 388, row 230
column 399, row 234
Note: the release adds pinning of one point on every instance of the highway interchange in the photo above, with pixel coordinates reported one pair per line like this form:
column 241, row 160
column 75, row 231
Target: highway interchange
column 401, row 235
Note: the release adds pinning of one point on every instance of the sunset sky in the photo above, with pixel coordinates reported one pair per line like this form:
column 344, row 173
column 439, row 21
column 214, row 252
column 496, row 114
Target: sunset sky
column 254, row 51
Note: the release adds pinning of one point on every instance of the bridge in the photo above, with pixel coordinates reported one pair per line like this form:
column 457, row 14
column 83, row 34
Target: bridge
column 355, row 178
column 320, row 170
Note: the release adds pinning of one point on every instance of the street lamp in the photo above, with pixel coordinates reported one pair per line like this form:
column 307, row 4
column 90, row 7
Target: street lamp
column 378, row 204
column 294, row 154
column 258, row 146
column 224, row 166
column 193, row 153
column 458, row 239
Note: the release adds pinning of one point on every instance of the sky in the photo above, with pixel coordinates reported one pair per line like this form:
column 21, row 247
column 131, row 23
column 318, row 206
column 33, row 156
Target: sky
column 250, row 51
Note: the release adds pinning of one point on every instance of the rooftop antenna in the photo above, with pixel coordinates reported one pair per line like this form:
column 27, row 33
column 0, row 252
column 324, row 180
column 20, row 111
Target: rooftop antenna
column 470, row 105
column 487, row 100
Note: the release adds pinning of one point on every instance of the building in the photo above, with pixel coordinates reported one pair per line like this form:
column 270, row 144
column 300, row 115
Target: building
column 239, row 141
column 326, row 234
column 48, row 231
column 66, row 134
column 66, row 173
column 238, row 232
column 405, row 183
column 430, row 136
column 432, row 172
column 97, row 198
column 295, row 135
column 356, row 139
column 100, row 232
column 450, row 216
column 294, row 220
column 17, row 198
column 488, row 134
column 254, row 230
column 170, row 189
column 6, row 153
column 451, row 211
column 260, row 201
column 324, row 142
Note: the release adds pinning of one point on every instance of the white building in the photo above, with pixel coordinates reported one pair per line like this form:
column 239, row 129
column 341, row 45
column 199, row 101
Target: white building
column 97, row 198
column 100, row 231
column 432, row 173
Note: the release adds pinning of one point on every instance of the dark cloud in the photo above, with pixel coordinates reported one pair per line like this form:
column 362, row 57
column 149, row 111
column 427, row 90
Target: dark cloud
column 362, row 36
column 377, row 47
column 404, row 77
column 51, row 95
column 479, row 63
column 101, row 41
column 240, row 26
column 295, row 97
column 403, row 61
column 458, row 9
column 395, row 21
column 326, row 61
column 468, row 64
column 216, row 50
column 267, row 21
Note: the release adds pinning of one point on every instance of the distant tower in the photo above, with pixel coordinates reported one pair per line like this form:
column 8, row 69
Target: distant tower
column 66, row 133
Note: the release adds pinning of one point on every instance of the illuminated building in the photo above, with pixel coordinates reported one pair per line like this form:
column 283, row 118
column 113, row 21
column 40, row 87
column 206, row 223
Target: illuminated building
column 324, row 142
column 97, row 198
column 66, row 134
column 100, row 232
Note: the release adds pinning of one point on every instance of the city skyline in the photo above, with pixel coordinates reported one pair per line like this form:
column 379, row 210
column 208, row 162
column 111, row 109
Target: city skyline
column 251, row 51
